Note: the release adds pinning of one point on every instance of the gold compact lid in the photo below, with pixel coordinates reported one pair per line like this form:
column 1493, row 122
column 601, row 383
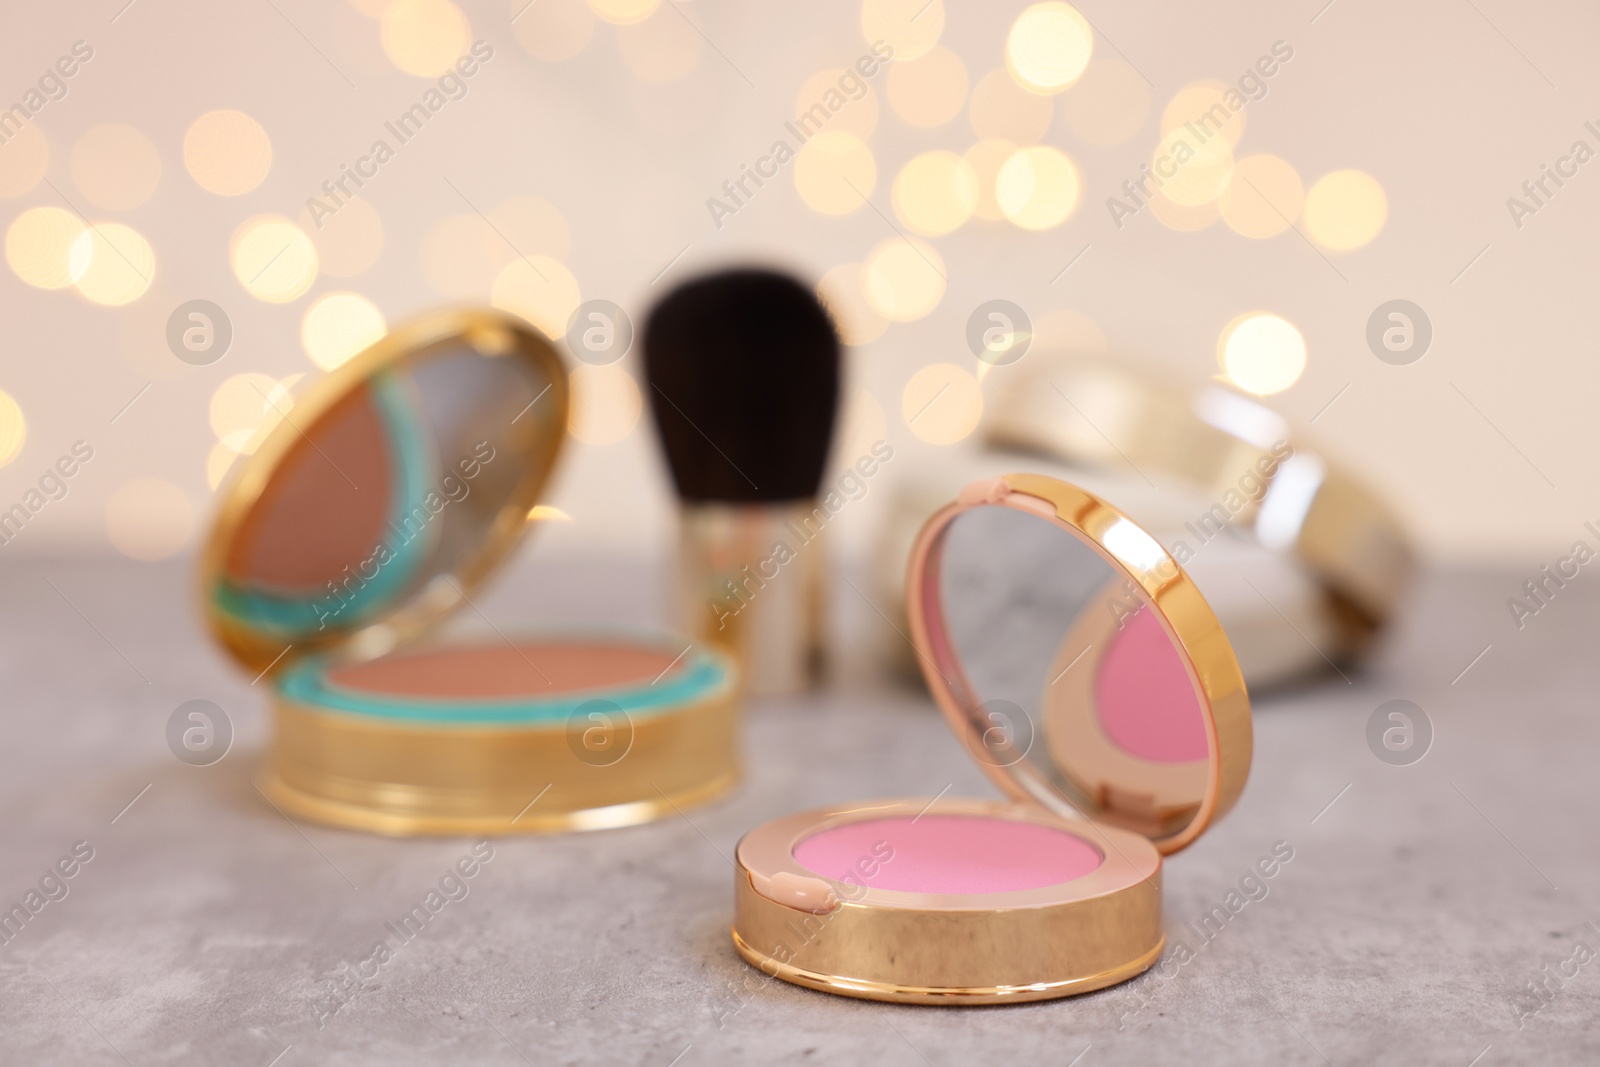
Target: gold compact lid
column 388, row 493
column 1077, row 661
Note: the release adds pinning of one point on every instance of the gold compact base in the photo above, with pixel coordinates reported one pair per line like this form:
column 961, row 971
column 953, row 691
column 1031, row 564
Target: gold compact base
column 399, row 777
column 899, row 994
column 851, row 938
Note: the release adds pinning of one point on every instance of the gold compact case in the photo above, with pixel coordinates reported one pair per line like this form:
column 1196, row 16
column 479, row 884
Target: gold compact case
column 374, row 509
column 1085, row 673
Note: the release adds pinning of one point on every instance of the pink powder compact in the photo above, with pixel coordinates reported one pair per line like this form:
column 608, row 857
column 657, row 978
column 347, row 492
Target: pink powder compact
column 1084, row 672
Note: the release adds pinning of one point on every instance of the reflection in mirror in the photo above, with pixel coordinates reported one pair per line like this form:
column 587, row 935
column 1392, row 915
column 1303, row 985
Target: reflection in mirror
column 1067, row 676
column 392, row 487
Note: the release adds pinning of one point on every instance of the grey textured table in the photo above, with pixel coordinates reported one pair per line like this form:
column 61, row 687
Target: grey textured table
column 1420, row 903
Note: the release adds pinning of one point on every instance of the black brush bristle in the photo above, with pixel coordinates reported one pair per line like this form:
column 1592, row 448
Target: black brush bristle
column 743, row 372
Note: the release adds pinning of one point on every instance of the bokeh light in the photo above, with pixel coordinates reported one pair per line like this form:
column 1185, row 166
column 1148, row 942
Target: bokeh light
column 929, row 90
column 273, row 258
column 218, row 462
column 1262, row 353
column 1001, row 109
column 245, row 408
column 337, row 326
column 935, row 193
column 424, row 37
column 910, row 27
column 553, row 30
column 227, row 152
column 663, row 48
column 624, row 12
column 112, row 264
column 605, row 404
column 115, row 167
column 843, row 291
column 1109, row 103
column 942, row 403
column 39, row 246
column 149, row 519
column 1346, row 210
column 13, row 428
column 23, row 160
column 1201, row 106
column 348, row 241
column 1190, row 171
column 539, row 289
column 1184, row 218
column 905, row 279
column 834, row 173
column 1048, row 47
column 1263, row 198
column 986, row 158
column 1038, row 187
column 855, row 115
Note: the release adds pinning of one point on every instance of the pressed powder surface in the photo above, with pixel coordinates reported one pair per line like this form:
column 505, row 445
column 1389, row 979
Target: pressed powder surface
column 1144, row 697
column 504, row 672
column 948, row 854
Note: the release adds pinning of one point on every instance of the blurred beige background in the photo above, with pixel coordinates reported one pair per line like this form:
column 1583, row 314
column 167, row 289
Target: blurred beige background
column 591, row 148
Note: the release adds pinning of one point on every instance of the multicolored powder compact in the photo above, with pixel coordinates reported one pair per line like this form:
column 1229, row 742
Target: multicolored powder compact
column 1083, row 670
column 376, row 508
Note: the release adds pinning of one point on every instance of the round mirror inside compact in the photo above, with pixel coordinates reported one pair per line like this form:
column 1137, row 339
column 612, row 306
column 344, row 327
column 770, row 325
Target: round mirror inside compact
column 1084, row 672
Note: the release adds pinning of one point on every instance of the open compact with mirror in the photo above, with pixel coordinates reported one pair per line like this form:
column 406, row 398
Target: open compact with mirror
column 373, row 510
column 1085, row 673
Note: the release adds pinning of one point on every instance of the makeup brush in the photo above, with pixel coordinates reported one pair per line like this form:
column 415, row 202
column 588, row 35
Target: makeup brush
column 743, row 372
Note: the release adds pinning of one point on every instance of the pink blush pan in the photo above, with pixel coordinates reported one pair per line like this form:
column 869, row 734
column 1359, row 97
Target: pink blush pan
column 1145, row 700
column 948, row 854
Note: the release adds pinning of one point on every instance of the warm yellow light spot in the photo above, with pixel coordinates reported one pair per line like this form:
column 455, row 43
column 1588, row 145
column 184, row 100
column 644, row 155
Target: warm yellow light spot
column 605, row 404
column 149, row 519
column 539, row 289
column 1109, row 103
column 986, row 158
column 663, row 48
column 547, row 513
column 227, row 152
column 1202, row 108
column 553, row 30
column 112, row 264
column 1003, row 110
column 218, row 462
column 905, row 279
column 942, row 403
column 1190, row 171
column 834, row 173
column 910, row 27
column 843, row 292
column 1262, row 353
column 1038, row 187
column 424, row 37
column 273, row 258
column 837, row 99
column 39, row 246
column 23, row 160
column 1263, row 198
column 624, row 12
column 349, row 240
column 339, row 325
column 1184, row 218
column 528, row 225
column 115, row 167
column 1345, row 210
column 935, row 193
column 1048, row 47
column 245, row 408
column 13, row 429
column 1065, row 330
column 929, row 90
